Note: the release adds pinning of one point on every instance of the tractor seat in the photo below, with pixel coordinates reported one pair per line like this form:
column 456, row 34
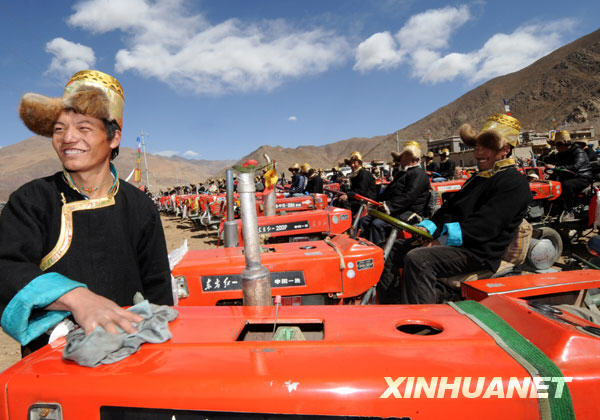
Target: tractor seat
column 515, row 255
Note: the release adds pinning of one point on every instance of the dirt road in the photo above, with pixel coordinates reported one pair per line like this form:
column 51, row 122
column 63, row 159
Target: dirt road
column 176, row 232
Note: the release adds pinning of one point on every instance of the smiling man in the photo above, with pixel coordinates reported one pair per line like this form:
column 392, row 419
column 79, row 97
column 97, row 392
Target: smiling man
column 473, row 228
column 80, row 242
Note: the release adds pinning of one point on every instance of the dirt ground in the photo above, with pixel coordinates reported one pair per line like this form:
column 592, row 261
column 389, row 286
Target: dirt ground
column 176, row 232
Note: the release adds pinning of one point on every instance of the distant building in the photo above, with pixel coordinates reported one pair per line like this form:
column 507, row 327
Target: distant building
column 453, row 143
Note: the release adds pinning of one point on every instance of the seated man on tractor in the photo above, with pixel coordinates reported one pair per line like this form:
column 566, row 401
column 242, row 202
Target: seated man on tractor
column 361, row 182
column 446, row 166
column 472, row 229
column 572, row 168
column 430, row 164
column 315, row 182
column 405, row 197
column 298, row 181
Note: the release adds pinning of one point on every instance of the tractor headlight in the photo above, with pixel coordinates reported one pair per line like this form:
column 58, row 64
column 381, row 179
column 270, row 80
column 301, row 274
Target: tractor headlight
column 45, row 411
column 181, row 287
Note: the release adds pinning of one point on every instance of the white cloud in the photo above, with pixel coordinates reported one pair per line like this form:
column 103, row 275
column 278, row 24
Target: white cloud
column 378, row 51
column 167, row 153
column 69, row 57
column 432, row 28
column 421, row 42
column 190, row 154
column 292, row 118
column 166, row 41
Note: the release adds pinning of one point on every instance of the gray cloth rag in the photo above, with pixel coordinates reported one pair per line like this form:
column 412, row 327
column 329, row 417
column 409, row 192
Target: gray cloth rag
column 101, row 347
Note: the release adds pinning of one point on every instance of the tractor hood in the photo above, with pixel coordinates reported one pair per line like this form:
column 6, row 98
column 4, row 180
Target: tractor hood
column 352, row 363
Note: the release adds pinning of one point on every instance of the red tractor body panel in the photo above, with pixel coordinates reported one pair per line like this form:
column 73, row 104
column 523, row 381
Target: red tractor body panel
column 356, row 364
column 349, row 369
column 331, row 220
column 297, row 268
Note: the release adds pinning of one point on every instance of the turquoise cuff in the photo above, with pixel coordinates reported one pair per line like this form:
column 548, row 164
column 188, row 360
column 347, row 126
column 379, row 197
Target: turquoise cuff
column 429, row 225
column 38, row 293
column 454, row 234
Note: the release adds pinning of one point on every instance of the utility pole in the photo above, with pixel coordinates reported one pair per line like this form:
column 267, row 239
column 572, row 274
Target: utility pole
column 397, row 143
column 142, row 136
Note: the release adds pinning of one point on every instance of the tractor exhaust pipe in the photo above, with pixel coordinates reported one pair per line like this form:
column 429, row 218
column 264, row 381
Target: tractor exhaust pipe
column 269, row 199
column 230, row 229
column 256, row 281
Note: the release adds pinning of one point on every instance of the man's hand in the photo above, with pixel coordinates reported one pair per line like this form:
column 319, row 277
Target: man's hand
column 91, row 310
column 435, row 242
column 343, row 197
column 549, row 166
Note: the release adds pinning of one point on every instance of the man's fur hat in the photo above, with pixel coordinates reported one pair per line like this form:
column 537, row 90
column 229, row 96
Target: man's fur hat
column 562, row 136
column 412, row 147
column 498, row 131
column 89, row 92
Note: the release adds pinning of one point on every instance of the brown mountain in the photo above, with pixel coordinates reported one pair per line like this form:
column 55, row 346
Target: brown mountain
column 564, row 85
column 34, row 158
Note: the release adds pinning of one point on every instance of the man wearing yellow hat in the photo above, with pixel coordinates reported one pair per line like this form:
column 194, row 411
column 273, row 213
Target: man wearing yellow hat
column 298, row 180
column 405, row 197
column 446, row 166
column 361, row 182
column 80, row 242
column 473, row 228
column 430, row 164
column 572, row 169
column 314, row 185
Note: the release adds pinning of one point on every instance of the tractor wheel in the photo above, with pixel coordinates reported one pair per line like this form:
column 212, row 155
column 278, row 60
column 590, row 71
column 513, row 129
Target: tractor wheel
column 545, row 249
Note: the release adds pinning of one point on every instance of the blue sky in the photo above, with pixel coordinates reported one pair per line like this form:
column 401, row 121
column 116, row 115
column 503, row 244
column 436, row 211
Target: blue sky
column 215, row 79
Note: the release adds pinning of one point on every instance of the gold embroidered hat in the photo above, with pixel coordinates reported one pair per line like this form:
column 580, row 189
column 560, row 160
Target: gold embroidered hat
column 88, row 92
column 498, row 131
column 355, row 156
column 562, row 136
column 412, row 147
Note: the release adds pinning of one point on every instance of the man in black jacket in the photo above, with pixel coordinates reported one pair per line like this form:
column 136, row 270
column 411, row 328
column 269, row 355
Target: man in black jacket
column 446, row 166
column 298, row 180
column 315, row 182
column 80, row 242
column 405, row 197
column 361, row 182
column 572, row 168
column 472, row 229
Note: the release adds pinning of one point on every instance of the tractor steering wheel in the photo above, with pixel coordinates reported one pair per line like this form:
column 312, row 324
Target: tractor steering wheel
column 397, row 223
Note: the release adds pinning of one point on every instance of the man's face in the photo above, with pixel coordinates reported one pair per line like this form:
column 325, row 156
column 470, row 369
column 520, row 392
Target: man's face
column 562, row 147
column 355, row 164
column 406, row 159
column 80, row 142
column 487, row 157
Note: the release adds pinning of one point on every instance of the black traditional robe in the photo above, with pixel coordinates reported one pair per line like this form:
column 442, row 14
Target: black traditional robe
column 117, row 247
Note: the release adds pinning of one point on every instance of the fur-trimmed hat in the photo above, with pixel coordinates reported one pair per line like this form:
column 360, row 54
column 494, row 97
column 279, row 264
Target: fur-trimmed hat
column 305, row 168
column 562, row 136
column 89, row 92
column 355, row 156
column 294, row 167
column 498, row 131
column 412, row 147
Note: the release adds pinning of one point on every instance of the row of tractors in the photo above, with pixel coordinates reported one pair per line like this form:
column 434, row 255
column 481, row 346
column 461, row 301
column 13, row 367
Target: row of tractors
column 282, row 322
